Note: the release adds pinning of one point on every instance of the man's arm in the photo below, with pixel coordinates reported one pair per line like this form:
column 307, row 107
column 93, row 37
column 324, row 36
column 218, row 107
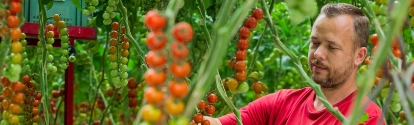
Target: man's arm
column 213, row 121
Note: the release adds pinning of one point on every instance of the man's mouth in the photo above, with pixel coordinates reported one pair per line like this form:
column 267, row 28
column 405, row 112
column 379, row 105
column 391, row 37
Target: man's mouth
column 318, row 68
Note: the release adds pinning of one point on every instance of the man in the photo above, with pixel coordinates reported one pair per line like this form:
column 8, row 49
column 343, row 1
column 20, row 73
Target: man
column 338, row 45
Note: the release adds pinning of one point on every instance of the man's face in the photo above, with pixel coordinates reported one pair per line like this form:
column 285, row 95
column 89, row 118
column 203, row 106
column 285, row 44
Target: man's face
column 331, row 52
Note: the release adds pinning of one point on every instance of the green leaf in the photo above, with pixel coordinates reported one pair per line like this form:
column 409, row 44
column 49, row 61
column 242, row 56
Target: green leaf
column 207, row 3
column 77, row 3
column 49, row 5
column 45, row 2
column 364, row 118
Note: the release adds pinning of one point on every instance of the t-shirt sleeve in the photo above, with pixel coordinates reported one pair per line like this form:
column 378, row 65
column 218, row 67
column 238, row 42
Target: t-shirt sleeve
column 256, row 112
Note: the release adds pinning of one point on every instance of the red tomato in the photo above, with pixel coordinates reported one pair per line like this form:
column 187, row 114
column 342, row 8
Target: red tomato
column 367, row 60
column 243, row 44
column 154, row 21
column 250, row 23
column 155, row 58
column 115, row 25
column 241, row 54
column 114, row 34
column 12, row 21
column 179, row 50
column 155, row 78
column 240, row 76
column 244, row 32
column 18, row 86
column 35, row 103
column 201, row 105
column 153, row 96
column 18, row 98
column 395, row 44
column 374, row 39
column 205, row 122
column 55, row 93
column 240, row 65
column 15, row 8
column 257, row 87
column 396, row 52
column 132, row 102
column 183, row 32
column 180, row 70
column 132, row 93
column 26, row 79
column 5, row 81
column 7, row 92
column 178, row 89
column 132, row 83
column 210, row 109
column 156, row 40
column 212, row 98
column 257, row 13
column 198, row 118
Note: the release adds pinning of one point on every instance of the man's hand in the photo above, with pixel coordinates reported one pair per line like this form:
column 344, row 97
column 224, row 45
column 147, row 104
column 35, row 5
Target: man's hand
column 213, row 121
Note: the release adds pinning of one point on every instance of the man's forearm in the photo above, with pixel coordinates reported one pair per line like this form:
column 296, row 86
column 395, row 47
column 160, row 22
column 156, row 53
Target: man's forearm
column 213, row 121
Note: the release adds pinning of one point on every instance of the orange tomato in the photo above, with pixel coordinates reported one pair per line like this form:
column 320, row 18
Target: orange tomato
column 16, row 33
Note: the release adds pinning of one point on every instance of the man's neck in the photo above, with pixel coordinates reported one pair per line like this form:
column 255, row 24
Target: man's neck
column 336, row 95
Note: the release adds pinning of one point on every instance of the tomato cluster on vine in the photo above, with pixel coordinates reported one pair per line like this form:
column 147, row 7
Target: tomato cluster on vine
column 207, row 109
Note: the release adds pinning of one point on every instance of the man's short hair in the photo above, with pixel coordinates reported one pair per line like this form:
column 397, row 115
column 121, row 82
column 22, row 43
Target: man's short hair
column 360, row 21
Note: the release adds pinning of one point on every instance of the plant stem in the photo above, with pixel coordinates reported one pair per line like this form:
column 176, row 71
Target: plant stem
column 223, row 94
column 57, row 112
column 5, row 47
column 110, row 104
column 298, row 66
column 256, row 50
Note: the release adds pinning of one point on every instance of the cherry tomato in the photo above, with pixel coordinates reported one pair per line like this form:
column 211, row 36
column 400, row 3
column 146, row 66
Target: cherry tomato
column 114, row 34
column 15, row 33
column 377, row 80
column 113, row 42
column 240, row 76
column 97, row 122
column 232, row 83
column 250, row 23
column 50, row 34
column 132, row 102
column 198, row 118
column 61, row 24
column 151, row 113
column 180, row 70
column 154, row 21
column 132, row 83
column 115, row 25
column 125, row 45
column 35, row 103
column 231, row 63
column 240, row 66
column 178, row 89
column 56, row 17
column 374, row 39
column 132, row 93
column 50, row 27
column 123, row 29
column 179, row 50
column 257, row 13
column 1, row 98
column 18, row 98
column 201, row 105
column 241, row 54
column 205, row 122
column 367, row 60
column 174, row 107
column 55, row 93
column 15, row 108
column 26, row 79
column 18, row 86
column 156, row 40
column 30, row 84
column 396, row 52
column 14, row 119
column 7, row 92
column 395, row 44
column 6, row 104
column 374, row 50
column 155, row 58
column 243, row 44
column 155, row 78
column 35, row 118
column 212, row 98
column 5, row 81
column 210, row 109
column 35, row 111
column 38, row 96
column 153, row 96
column 257, row 87
column 15, row 8
column 183, row 32
column 244, row 32
column 12, row 21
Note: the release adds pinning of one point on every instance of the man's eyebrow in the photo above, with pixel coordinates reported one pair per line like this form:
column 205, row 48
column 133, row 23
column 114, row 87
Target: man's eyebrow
column 332, row 42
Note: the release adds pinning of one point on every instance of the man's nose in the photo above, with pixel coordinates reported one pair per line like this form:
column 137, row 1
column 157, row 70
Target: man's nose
column 320, row 53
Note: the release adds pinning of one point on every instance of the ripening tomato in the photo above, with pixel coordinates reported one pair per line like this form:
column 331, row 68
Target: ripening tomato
column 124, row 53
column 178, row 89
column 183, row 32
column 201, row 105
column 56, row 17
column 55, row 93
column 174, row 107
column 5, row 81
column 18, row 98
column 154, row 21
column 35, row 103
column 15, row 33
column 377, row 80
column 240, row 65
column 240, row 76
column 115, row 25
column 12, row 21
column 6, row 103
column 241, row 54
column 396, row 52
column 243, row 44
column 210, row 109
column 26, row 79
column 155, row 58
column 50, row 27
column 151, row 113
column 257, row 13
column 50, row 34
column 61, row 24
column 35, row 118
column 257, row 87
column 244, row 32
column 113, row 42
column 1, row 98
column 198, row 118
column 180, row 70
column 38, row 96
column 114, row 34
column 395, row 43
column 374, row 39
column 155, row 78
column 367, row 60
column 35, row 111
column 15, row 108
column 212, row 98
column 232, row 83
column 153, row 96
column 250, row 23
column 179, row 50
column 18, row 86
column 125, row 45
column 7, row 92
column 156, row 40
column 14, row 119
column 15, row 8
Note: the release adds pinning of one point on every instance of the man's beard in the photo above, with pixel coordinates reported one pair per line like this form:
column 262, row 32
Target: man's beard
column 335, row 77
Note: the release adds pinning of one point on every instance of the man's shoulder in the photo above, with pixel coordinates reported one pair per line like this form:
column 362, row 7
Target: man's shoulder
column 373, row 109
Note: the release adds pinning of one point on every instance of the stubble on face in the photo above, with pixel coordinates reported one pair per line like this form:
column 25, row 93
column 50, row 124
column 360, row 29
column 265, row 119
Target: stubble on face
column 336, row 76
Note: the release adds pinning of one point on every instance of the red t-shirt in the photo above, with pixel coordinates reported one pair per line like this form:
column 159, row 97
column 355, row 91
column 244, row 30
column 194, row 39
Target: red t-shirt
column 293, row 107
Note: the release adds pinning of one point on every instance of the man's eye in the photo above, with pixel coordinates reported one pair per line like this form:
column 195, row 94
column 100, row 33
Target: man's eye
column 330, row 47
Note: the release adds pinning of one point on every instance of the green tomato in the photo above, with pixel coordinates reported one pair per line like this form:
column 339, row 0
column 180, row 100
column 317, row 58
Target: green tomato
column 24, row 42
column 50, row 40
column 258, row 65
column 412, row 21
column 4, row 122
column 50, row 58
column 64, row 66
column 49, row 46
column 304, row 60
column 113, row 65
column 91, row 9
column 124, row 82
column 15, row 69
column 254, row 76
column 143, row 41
column 116, row 80
column 124, row 68
column 268, row 61
column 107, row 21
column 243, row 87
column 105, row 16
column 375, row 7
column 16, row 58
column 64, row 38
column 113, row 15
column 384, row 92
column 109, row 9
column 114, row 72
column 363, row 69
column 384, row 2
column 124, row 60
column 395, row 97
column 382, row 10
column 261, row 73
column 25, row 61
column 94, row 2
column 182, row 121
column 72, row 58
column 395, row 106
column 382, row 20
column 86, row 12
column 124, row 75
column 63, row 59
column 144, row 123
column 24, row 54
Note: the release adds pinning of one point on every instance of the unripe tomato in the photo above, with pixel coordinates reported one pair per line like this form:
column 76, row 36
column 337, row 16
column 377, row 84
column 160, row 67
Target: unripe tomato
column 174, row 107
column 150, row 113
column 232, row 83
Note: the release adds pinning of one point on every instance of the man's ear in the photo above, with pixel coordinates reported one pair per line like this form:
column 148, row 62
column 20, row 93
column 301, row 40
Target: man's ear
column 360, row 55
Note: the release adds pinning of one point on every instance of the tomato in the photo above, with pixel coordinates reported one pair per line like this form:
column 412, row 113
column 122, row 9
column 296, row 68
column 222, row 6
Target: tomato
column 243, row 44
column 35, row 118
column 56, row 17
column 7, row 92
column 244, row 32
column 250, row 23
column 16, row 33
column 367, row 60
column 16, row 58
column 125, row 45
column 6, row 103
column 153, row 96
column 112, row 57
column 35, row 111
column 180, row 70
column 50, row 27
column 26, row 79
column 241, row 54
column 205, row 122
column 114, row 34
column 61, row 24
column 35, row 103
column 179, row 50
column 15, row 8
column 377, row 80
column 257, row 13
column 12, row 21
column 374, row 39
column 396, row 52
column 18, row 98
column 212, row 98
column 124, row 53
column 38, row 96
column 132, row 102
column 132, row 83
column 123, row 29
column 97, row 122
column 132, row 93
column 50, row 34
column 156, row 40
column 154, row 21
column 15, row 108
column 258, row 95
column 174, row 107
column 150, row 113
column 155, row 78
column 18, row 86
column 1, row 98
column 240, row 65
column 395, row 44
column 243, row 87
column 201, row 105
column 5, row 81
column 198, row 118
column 55, row 93
column 115, row 25
column 183, row 32
column 240, row 76
column 113, row 42
column 30, row 84
column 112, row 50
column 178, row 89
column 14, row 119
column 232, row 83
column 210, row 109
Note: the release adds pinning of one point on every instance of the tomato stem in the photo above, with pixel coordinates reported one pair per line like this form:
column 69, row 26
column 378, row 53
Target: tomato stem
column 5, row 47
